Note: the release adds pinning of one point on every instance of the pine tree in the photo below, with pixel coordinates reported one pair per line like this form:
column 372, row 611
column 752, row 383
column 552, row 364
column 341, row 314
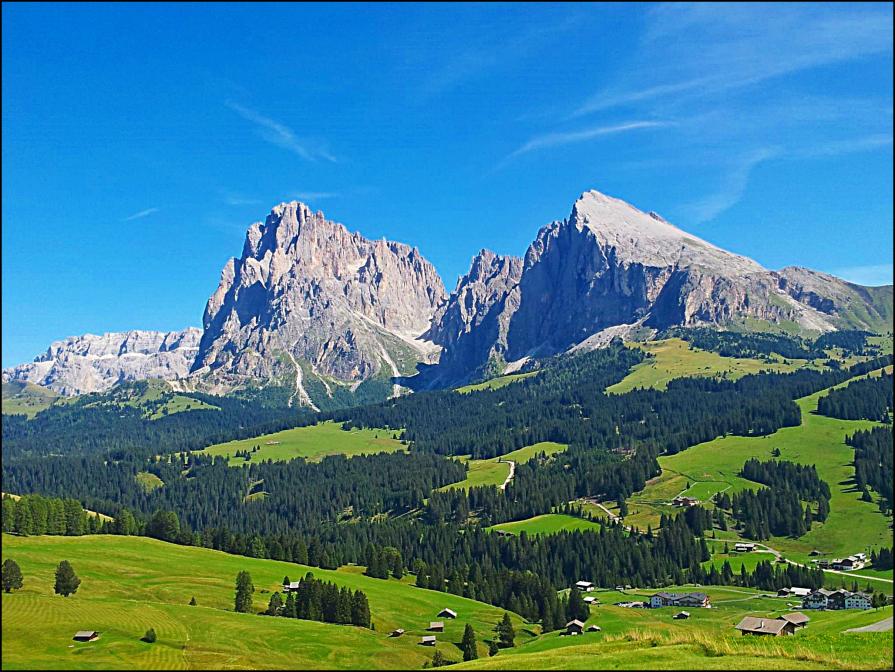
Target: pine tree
column 505, row 632
column 12, row 575
column 244, row 590
column 493, row 648
column 275, row 604
column 289, row 610
column 193, row 602
column 149, row 637
column 438, row 659
column 468, row 644
column 360, row 610
column 67, row 581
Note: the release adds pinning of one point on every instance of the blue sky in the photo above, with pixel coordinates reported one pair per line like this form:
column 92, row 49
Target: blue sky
column 139, row 142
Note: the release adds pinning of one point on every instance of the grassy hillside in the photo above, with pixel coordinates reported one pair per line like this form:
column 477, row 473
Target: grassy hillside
column 130, row 584
column 497, row 382
column 314, row 443
column 492, row 472
column 26, row 398
column 853, row 525
column 673, row 358
column 548, row 523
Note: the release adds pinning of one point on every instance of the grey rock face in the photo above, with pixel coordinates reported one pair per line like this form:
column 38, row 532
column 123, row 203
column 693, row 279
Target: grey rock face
column 89, row 363
column 307, row 297
column 610, row 264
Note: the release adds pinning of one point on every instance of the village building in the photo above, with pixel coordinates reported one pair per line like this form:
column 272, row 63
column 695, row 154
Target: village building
column 794, row 592
column 448, row 613
column 743, row 547
column 685, row 501
column 436, row 626
column 428, row 640
column 86, row 636
column 574, row 627
column 397, row 633
column 858, row 601
column 291, row 587
column 664, row 599
column 849, row 563
column 836, row 599
column 594, row 628
column 682, row 614
column 590, row 599
column 774, row 627
column 585, row 586
column 797, row 618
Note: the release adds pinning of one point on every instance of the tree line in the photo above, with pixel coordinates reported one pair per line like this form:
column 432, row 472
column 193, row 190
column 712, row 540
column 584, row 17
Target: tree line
column 866, row 399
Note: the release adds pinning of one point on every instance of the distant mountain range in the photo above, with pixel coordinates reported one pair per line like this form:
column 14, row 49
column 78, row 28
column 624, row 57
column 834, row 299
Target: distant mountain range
column 329, row 314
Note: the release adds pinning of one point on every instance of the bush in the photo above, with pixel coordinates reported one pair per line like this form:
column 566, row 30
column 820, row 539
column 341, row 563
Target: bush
column 149, row 637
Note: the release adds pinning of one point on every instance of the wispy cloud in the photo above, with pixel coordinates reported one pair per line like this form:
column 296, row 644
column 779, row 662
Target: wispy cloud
column 691, row 49
column 316, row 195
column 733, row 186
column 141, row 214
column 872, row 275
column 848, row 146
column 281, row 135
column 571, row 137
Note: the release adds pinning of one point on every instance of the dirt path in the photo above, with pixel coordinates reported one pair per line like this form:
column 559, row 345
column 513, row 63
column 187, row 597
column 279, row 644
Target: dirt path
column 510, row 475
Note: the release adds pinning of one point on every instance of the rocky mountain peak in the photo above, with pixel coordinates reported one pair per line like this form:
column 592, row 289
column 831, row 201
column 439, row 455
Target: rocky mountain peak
column 309, row 298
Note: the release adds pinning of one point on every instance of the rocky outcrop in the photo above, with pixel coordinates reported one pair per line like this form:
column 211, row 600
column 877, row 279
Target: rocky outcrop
column 610, row 266
column 308, row 298
column 89, row 363
column 475, row 319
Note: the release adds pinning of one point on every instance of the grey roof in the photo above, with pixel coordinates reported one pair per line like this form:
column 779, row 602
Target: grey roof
column 772, row 626
column 447, row 611
column 796, row 618
column 85, row 633
column 429, row 638
column 436, row 624
column 575, row 622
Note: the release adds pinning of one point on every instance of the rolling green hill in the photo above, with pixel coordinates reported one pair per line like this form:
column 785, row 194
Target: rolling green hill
column 853, row 525
column 494, row 472
column 26, row 398
column 313, row 442
column 130, row 584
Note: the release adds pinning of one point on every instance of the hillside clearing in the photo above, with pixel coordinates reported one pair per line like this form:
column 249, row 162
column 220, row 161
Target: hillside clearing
column 313, row 443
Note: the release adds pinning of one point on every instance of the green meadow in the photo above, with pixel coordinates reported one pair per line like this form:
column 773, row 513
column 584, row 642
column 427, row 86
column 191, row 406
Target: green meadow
column 497, row 382
column 494, row 472
column 673, row 358
column 638, row 639
column 853, row 525
column 130, row 584
column 313, row 443
column 26, row 398
column 548, row 523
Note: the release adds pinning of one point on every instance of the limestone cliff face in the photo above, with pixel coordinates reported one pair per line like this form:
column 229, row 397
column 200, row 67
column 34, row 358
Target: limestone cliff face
column 307, row 297
column 90, row 363
column 475, row 320
column 610, row 264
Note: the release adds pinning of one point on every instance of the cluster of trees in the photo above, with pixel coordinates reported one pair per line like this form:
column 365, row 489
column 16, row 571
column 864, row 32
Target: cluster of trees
column 748, row 345
column 34, row 514
column 785, row 475
column 247, row 454
column 324, row 601
column 881, row 560
column 100, row 424
column 771, row 512
column 383, row 562
column 66, row 582
column 777, row 510
column 765, row 576
column 873, row 462
column 866, row 399
column 206, row 492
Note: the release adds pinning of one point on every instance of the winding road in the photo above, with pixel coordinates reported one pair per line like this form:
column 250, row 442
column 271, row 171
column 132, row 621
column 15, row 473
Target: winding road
column 778, row 554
